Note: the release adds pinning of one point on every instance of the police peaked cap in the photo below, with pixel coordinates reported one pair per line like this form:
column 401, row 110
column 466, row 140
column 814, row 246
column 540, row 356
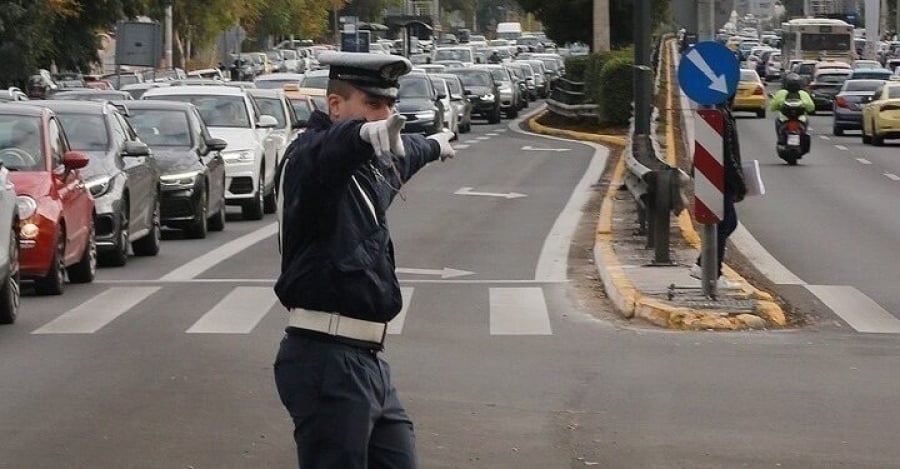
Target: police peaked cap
column 375, row 74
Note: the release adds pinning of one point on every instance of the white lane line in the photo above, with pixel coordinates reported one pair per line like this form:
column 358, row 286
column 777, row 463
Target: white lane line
column 492, row 134
column 519, row 311
column 93, row 314
column 841, row 147
column 857, row 309
column 483, row 138
column 211, row 258
column 767, row 264
column 238, row 313
column 469, row 142
column 395, row 326
column 460, row 147
column 892, row 176
column 824, row 137
column 863, row 161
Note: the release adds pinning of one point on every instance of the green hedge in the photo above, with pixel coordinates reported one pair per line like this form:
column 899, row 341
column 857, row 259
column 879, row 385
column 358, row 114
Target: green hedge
column 576, row 65
column 616, row 90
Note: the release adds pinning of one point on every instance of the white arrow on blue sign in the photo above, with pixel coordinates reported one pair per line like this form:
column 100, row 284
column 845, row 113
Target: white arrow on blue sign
column 709, row 73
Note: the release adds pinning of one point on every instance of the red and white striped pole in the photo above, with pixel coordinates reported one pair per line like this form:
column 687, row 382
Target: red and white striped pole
column 709, row 189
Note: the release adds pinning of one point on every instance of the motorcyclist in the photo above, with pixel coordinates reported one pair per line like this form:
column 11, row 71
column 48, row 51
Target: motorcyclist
column 792, row 89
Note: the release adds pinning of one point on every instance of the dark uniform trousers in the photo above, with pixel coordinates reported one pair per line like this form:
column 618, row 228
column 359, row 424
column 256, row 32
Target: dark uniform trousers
column 346, row 411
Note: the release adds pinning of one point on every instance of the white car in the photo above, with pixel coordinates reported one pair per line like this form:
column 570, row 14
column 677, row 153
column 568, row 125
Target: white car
column 451, row 120
column 250, row 158
column 273, row 103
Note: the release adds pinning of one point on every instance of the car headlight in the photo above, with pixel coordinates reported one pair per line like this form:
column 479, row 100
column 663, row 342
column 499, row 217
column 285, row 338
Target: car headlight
column 180, row 179
column 505, row 90
column 239, row 156
column 425, row 115
column 488, row 97
column 99, row 186
column 27, row 207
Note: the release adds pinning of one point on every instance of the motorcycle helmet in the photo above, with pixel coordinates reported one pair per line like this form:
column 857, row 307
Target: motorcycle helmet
column 792, row 82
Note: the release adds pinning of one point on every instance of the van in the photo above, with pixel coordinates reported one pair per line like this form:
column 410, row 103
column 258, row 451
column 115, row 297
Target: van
column 510, row 31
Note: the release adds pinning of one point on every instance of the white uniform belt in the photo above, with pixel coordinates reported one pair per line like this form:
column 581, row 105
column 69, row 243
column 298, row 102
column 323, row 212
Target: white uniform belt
column 337, row 325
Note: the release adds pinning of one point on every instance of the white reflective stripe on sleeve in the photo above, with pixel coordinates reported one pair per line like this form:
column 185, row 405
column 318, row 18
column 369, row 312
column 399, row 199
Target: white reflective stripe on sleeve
column 366, row 197
column 279, row 205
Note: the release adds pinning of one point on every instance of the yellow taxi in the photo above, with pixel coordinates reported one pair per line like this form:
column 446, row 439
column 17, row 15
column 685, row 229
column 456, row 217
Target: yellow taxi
column 881, row 114
column 751, row 94
column 305, row 100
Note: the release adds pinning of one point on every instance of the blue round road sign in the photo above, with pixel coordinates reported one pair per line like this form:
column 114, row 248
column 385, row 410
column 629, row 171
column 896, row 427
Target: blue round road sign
column 709, row 73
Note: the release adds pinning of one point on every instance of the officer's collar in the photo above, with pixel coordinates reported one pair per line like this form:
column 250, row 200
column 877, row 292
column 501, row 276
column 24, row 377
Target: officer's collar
column 318, row 120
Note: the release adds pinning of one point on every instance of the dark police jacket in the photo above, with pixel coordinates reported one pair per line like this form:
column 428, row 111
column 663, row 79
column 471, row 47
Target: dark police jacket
column 336, row 251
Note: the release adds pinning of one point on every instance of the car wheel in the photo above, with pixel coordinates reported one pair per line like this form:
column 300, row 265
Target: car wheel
column 269, row 202
column 254, row 209
column 55, row 281
column 9, row 293
column 149, row 245
column 217, row 222
column 494, row 116
column 877, row 140
column 837, row 130
column 199, row 227
column 512, row 113
column 119, row 256
column 85, row 269
column 761, row 114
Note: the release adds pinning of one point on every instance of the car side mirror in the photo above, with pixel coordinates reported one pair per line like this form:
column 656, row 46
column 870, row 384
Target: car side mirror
column 136, row 149
column 216, row 144
column 300, row 124
column 75, row 160
column 267, row 122
column 441, row 96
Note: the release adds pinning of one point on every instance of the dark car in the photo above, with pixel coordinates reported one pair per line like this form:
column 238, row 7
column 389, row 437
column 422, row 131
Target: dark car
column 418, row 101
column 192, row 171
column 849, row 102
column 91, row 94
column 121, row 175
column 459, row 101
column 507, row 88
column 826, row 85
column 482, row 92
column 870, row 74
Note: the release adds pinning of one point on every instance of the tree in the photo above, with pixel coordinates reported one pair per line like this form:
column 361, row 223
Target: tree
column 23, row 38
column 303, row 18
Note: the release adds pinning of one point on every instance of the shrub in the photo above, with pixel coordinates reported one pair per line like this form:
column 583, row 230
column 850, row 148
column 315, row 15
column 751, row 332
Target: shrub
column 576, row 66
column 616, row 90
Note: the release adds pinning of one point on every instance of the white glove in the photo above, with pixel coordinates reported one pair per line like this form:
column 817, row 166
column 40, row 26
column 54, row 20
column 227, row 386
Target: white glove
column 443, row 139
column 384, row 135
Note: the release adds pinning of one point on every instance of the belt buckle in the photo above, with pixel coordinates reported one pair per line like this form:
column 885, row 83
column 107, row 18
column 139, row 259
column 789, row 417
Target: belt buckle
column 334, row 322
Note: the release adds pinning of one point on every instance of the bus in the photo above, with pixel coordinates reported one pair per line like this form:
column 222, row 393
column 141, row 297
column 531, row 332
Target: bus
column 817, row 39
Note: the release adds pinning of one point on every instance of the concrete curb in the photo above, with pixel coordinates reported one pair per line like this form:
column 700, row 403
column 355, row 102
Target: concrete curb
column 543, row 129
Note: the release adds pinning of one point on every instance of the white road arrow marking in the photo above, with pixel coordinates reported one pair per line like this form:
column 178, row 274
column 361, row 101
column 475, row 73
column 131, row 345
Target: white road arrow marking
column 444, row 273
column 531, row 148
column 717, row 82
column 469, row 191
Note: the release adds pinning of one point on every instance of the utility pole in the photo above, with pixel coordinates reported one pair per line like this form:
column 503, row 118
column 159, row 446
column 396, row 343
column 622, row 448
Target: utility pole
column 643, row 89
column 601, row 26
column 706, row 18
column 169, row 64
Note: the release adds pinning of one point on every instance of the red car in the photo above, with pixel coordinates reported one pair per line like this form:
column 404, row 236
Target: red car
column 56, row 234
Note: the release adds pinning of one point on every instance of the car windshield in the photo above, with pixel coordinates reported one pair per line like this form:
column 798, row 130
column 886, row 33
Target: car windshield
column 315, row 81
column 474, row 78
column 216, row 110
column 301, row 109
column 500, row 75
column 455, row 89
column 806, row 69
column 272, row 107
column 86, row 132
column 161, row 128
column 462, row 55
column 749, row 75
column 894, row 92
column 414, row 88
column 862, row 85
column 20, row 143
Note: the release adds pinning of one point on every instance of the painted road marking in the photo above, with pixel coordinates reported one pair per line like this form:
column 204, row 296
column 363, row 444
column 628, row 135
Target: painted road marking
column 507, row 195
column 460, row 147
column 519, row 311
column 395, row 326
column 214, row 257
column 857, row 309
column 762, row 259
column 471, row 141
column 892, row 176
column 492, row 134
column 238, row 313
column 863, row 161
column 824, row 137
column 93, row 314
column 483, row 138
column 841, row 147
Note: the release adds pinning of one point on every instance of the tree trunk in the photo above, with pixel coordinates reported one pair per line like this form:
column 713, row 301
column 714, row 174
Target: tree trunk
column 601, row 26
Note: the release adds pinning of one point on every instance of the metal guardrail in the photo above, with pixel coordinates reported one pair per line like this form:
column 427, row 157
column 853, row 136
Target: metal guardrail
column 568, row 99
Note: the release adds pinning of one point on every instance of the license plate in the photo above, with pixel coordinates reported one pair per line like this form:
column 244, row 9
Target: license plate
column 794, row 140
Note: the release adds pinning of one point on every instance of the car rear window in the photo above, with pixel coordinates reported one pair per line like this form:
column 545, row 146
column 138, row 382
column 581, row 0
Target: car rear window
column 313, row 81
column 20, row 143
column 749, row 75
column 272, row 107
column 831, row 78
column 862, row 85
column 216, row 110
column 872, row 74
column 894, row 92
column 473, row 77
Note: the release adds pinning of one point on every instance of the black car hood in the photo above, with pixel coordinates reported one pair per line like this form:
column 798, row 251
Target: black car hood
column 409, row 105
column 174, row 161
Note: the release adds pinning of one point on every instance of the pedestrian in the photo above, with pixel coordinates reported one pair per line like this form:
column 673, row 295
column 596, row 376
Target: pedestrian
column 734, row 192
column 338, row 276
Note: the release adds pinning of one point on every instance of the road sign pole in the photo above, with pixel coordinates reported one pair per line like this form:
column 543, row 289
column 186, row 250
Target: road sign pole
column 709, row 187
column 642, row 76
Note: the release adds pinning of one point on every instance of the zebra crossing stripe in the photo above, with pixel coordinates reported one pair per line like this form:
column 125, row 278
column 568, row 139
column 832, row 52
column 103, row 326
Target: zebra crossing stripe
column 93, row 314
column 203, row 263
column 396, row 324
column 519, row 311
column 238, row 313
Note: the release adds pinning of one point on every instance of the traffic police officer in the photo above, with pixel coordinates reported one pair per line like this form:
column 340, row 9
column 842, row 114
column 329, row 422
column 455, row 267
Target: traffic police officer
column 337, row 268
